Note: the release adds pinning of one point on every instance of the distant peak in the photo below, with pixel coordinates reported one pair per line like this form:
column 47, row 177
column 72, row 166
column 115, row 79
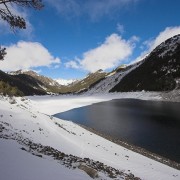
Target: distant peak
column 65, row 82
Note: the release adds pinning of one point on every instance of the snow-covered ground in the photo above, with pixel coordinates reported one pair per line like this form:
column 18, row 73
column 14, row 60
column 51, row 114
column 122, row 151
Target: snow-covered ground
column 31, row 121
column 55, row 104
column 19, row 165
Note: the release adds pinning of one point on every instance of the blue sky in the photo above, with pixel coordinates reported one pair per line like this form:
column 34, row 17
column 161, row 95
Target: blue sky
column 69, row 38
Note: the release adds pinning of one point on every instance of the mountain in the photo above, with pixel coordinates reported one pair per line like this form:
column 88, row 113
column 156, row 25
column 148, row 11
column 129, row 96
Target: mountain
column 111, row 79
column 83, row 85
column 74, row 86
column 160, row 70
column 44, row 83
column 31, row 83
column 64, row 81
column 45, row 80
column 20, row 84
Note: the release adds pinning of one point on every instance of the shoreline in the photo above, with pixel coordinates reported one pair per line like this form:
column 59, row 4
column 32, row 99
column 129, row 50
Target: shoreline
column 88, row 100
column 136, row 149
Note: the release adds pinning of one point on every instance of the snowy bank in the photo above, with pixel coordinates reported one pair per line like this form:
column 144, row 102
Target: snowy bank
column 55, row 104
column 26, row 124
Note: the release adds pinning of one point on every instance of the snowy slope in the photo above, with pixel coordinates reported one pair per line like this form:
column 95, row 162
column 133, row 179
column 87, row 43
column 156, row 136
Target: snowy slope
column 111, row 80
column 36, row 142
column 18, row 164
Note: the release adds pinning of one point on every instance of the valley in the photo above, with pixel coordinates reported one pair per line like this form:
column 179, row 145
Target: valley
column 32, row 134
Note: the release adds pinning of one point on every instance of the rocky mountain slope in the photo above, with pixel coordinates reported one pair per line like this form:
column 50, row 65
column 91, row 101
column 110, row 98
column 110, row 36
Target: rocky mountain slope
column 74, row 87
column 45, row 83
column 84, row 84
column 20, row 84
column 111, row 79
column 160, row 70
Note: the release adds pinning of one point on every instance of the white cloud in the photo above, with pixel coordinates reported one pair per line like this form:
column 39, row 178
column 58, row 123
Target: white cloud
column 153, row 43
column 56, row 66
column 108, row 55
column 68, row 8
column 120, row 28
column 26, row 55
column 95, row 9
column 72, row 64
column 163, row 36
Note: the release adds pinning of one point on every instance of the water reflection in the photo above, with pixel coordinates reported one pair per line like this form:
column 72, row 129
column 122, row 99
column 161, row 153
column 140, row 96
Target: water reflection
column 154, row 126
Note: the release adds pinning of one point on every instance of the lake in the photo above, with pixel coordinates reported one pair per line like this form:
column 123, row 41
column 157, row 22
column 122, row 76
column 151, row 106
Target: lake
column 152, row 125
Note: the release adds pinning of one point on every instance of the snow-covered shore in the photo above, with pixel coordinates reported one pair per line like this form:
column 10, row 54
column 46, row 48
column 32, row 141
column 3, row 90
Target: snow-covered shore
column 56, row 104
column 32, row 121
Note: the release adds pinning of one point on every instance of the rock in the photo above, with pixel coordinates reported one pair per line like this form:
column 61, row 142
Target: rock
column 23, row 149
column 90, row 171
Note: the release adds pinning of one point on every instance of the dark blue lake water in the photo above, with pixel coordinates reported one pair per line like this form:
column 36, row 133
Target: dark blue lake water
column 152, row 125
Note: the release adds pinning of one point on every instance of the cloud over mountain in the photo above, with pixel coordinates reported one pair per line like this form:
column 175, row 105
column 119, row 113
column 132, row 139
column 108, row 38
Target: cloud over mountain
column 108, row 55
column 151, row 44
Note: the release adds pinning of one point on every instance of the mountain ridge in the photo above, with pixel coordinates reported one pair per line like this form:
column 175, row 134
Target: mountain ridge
column 158, row 71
